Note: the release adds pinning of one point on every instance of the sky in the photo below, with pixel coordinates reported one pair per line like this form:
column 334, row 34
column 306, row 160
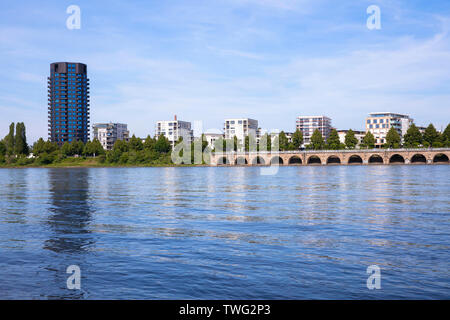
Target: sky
column 270, row 60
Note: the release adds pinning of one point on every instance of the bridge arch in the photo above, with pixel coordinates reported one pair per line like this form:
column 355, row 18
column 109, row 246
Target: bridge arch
column 314, row 160
column 241, row 161
column 333, row 160
column 376, row 158
column 418, row 158
column 396, row 158
column 295, row 160
column 276, row 160
column 355, row 159
column 258, row 160
column 440, row 158
column 223, row 161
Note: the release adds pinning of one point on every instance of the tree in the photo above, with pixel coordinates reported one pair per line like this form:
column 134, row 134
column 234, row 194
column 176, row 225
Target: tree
column 350, row 140
column 236, row 144
column 50, row 147
column 162, row 145
column 412, row 138
column 149, row 143
column 393, row 139
column 120, row 146
column 93, row 148
column 430, row 136
column 368, row 142
column 77, row 147
column 39, row 147
column 20, row 140
column 135, row 144
column 265, row 143
column 9, row 140
column 283, row 142
column 317, row 141
column 2, row 148
column 446, row 136
column 333, row 141
column 66, row 149
column 297, row 139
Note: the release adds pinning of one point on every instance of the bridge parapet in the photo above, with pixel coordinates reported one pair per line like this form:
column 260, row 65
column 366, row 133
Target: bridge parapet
column 329, row 157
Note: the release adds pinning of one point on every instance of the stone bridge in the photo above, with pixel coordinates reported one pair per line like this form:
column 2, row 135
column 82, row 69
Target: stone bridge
column 334, row 157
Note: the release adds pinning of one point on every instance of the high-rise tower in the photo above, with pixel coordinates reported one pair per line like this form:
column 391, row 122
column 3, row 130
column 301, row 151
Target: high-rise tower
column 68, row 110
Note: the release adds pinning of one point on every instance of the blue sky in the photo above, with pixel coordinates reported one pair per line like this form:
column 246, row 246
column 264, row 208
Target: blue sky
column 270, row 60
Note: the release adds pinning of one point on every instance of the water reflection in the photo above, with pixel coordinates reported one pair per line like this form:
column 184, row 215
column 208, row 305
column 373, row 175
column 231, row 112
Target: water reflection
column 69, row 213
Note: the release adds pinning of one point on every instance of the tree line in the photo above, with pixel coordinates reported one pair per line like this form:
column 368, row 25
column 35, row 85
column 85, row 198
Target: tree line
column 14, row 150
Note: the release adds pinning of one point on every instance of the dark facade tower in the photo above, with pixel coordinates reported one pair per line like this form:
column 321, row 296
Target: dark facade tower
column 68, row 102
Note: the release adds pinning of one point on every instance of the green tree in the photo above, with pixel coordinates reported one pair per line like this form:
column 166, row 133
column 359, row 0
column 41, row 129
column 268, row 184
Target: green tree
column 265, row 143
column 2, row 148
column 162, row 145
column 317, row 141
column 412, row 138
column 77, row 147
column 446, row 136
column 393, row 139
column 9, row 140
column 50, row 147
column 333, row 141
column 283, row 142
column 297, row 139
column 149, row 143
column 350, row 140
column 430, row 136
column 39, row 147
column 120, row 146
column 368, row 142
column 135, row 144
column 67, row 149
column 93, row 148
column 20, row 140
column 236, row 144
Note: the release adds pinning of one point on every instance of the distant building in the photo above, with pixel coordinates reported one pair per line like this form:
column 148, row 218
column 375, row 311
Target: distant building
column 175, row 129
column 211, row 138
column 68, row 102
column 379, row 123
column 308, row 124
column 109, row 133
column 240, row 127
column 358, row 135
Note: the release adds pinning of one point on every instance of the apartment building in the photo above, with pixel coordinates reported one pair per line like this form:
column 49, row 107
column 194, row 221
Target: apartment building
column 68, row 102
column 308, row 124
column 109, row 133
column 379, row 123
column 174, row 129
column 240, row 128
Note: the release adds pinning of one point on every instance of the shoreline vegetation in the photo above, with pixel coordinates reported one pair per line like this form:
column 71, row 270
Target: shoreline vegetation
column 156, row 151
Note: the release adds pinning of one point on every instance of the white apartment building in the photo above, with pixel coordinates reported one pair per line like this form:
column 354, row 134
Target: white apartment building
column 358, row 135
column 240, row 128
column 379, row 123
column 308, row 124
column 109, row 133
column 175, row 129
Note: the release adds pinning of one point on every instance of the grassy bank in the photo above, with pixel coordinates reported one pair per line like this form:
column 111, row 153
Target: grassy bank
column 80, row 162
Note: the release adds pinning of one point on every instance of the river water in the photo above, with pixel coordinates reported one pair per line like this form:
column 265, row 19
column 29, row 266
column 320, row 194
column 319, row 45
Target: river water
column 226, row 232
